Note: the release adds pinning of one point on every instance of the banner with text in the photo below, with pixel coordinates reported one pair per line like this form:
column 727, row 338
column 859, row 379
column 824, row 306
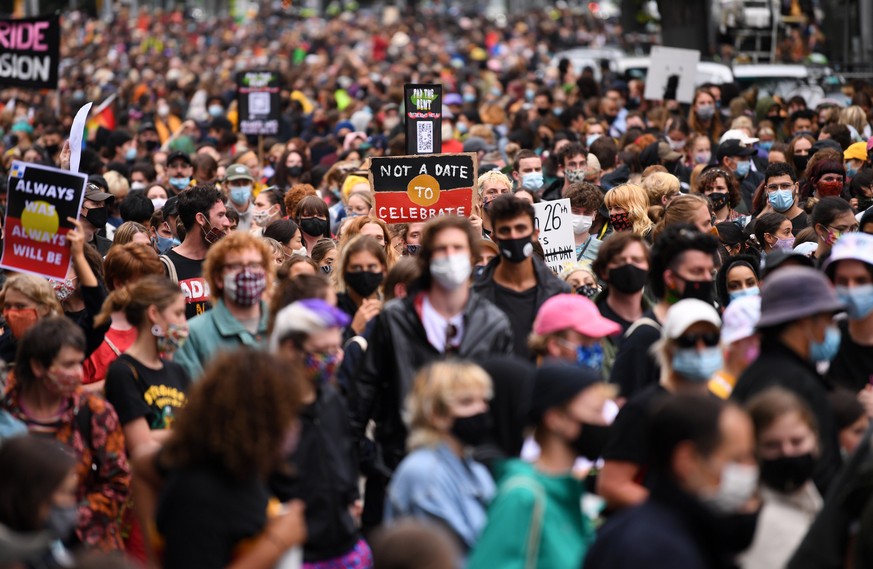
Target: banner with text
column 553, row 219
column 412, row 189
column 40, row 199
column 30, row 51
column 423, row 105
column 257, row 95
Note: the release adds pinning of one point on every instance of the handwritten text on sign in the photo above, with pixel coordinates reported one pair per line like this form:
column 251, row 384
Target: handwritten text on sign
column 411, row 189
column 39, row 202
column 553, row 219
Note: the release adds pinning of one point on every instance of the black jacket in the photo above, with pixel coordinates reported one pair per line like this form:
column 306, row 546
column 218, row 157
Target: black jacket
column 548, row 284
column 325, row 476
column 553, row 191
column 779, row 366
column 398, row 348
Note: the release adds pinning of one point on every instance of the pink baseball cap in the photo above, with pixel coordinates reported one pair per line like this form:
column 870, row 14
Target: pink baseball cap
column 573, row 312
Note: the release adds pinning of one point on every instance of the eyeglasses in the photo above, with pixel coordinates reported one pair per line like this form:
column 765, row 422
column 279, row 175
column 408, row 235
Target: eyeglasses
column 774, row 187
column 851, row 229
column 237, row 267
column 709, row 339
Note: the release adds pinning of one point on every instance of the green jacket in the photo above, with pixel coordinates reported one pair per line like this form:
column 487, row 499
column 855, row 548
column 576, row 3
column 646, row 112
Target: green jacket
column 217, row 330
column 535, row 521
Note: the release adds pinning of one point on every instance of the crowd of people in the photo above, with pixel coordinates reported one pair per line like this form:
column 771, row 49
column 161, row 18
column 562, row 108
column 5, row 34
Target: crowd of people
column 246, row 367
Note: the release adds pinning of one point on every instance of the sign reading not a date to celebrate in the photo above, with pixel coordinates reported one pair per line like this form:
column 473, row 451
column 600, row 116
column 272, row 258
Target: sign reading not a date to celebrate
column 411, row 189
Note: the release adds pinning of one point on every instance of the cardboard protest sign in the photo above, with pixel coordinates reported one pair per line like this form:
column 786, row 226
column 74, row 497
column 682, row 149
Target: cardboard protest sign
column 257, row 95
column 30, row 51
column 423, row 106
column 672, row 74
column 40, row 199
column 553, row 219
column 412, row 189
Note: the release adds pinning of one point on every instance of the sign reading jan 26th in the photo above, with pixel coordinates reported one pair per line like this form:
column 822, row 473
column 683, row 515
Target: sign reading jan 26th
column 30, row 50
column 39, row 201
column 412, row 189
column 554, row 220
column 423, row 105
column 258, row 102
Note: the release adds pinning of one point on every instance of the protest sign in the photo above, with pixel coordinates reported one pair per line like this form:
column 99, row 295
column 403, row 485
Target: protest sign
column 257, row 95
column 412, row 189
column 553, row 219
column 672, row 74
column 423, row 107
column 30, row 52
column 40, row 199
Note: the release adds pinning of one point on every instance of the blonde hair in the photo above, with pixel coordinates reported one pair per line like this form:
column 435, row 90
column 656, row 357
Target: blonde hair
column 432, row 391
column 681, row 210
column 36, row 289
column 494, row 175
column 658, row 185
column 126, row 232
column 633, row 199
column 854, row 116
column 117, row 183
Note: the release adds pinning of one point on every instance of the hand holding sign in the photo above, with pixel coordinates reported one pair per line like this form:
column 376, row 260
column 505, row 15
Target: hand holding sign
column 76, row 238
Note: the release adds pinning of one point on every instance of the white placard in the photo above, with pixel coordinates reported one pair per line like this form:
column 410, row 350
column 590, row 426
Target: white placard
column 77, row 132
column 553, row 219
column 666, row 62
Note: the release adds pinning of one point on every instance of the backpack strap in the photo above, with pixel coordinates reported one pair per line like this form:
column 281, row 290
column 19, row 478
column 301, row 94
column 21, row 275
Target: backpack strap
column 536, row 527
column 359, row 340
column 112, row 347
column 644, row 321
column 170, row 269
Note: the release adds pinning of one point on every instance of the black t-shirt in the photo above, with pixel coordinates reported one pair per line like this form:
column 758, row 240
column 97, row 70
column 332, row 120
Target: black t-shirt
column 635, row 367
column 610, row 314
column 204, row 514
column 520, row 309
column 192, row 283
column 139, row 391
column 799, row 223
column 629, row 434
column 853, row 365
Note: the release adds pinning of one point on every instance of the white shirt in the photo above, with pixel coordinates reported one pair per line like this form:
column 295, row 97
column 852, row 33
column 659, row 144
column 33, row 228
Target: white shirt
column 437, row 328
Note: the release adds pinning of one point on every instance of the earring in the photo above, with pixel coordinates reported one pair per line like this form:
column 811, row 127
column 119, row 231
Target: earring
column 157, row 331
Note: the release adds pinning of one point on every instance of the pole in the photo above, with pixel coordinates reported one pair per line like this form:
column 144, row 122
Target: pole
column 260, row 151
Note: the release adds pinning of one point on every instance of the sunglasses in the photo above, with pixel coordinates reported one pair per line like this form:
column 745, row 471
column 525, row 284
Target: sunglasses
column 710, row 339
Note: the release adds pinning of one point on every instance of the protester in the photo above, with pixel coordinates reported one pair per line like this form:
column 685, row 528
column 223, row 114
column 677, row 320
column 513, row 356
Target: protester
column 740, row 344
column 585, row 202
column 723, row 193
column 489, row 186
column 239, row 183
column 362, row 268
column 517, row 282
column 238, row 270
column 46, row 396
column 540, row 503
column 737, row 277
column 628, row 210
column 831, row 218
column 25, row 299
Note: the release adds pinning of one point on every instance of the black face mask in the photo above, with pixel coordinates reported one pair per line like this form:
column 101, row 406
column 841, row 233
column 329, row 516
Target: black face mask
column 97, row 217
column 314, row 226
column 718, row 200
column 542, row 112
column 364, row 283
column 628, row 278
column 788, row 473
column 152, row 145
column 701, row 290
column 472, row 430
column 591, row 441
column 588, row 291
column 800, row 163
column 413, row 249
column 52, row 149
column 295, row 171
column 515, row 250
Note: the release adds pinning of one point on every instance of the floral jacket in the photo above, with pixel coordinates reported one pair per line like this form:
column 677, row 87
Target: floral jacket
column 91, row 428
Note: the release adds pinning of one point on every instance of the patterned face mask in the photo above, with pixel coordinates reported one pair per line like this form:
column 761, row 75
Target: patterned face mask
column 620, row 221
column 64, row 289
column 246, row 287
column 320, row 367
column 171, row 339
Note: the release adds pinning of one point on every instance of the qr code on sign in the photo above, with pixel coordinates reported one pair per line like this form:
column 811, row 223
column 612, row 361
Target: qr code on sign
column 259, row 103
column 425, row 138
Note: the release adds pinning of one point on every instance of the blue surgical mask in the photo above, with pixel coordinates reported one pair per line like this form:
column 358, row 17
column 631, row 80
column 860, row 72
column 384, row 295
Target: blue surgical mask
column 469, row 97
column 827, row 350
column 781, row 200
column 529, row 94
column 697, row 365
column 130, row 154
column 751, row 291
column 858, row 300
column 216, row 110
column 180, row 183
column 765, row 145
column 851, row 171
column 589, row 140
column 240, row 194
column 743, row 168
column 590, row 356
column 532, row 181
column 164, row 244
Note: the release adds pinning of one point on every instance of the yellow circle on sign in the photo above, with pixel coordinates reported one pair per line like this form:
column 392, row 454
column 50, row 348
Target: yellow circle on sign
column 40, row 220
column 423, row 190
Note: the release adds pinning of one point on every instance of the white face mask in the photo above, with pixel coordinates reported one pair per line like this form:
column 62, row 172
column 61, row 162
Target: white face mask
column 134, row 186
column 738, row 484
column 452, row 271
column 302, row 252
column 582, row 223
